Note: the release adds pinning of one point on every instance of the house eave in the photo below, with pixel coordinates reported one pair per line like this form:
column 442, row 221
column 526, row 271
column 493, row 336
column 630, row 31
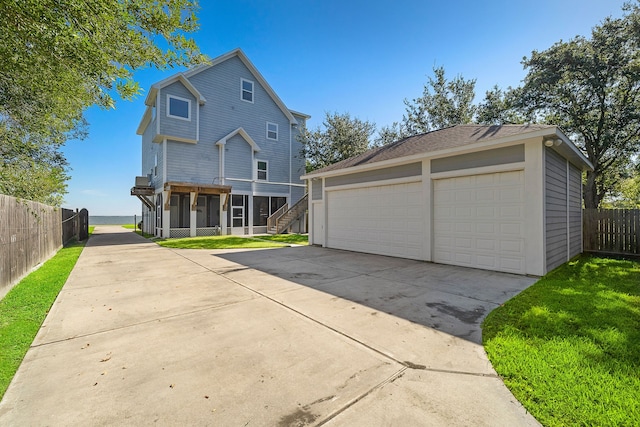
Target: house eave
column 146, row 119
column 468, row 148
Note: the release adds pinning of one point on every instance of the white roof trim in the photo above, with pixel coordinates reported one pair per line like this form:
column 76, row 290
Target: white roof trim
column 146, row 119
column 490, row 143
column 180, row 77
column 244, row 135
column 245, row 60
column 298, row 113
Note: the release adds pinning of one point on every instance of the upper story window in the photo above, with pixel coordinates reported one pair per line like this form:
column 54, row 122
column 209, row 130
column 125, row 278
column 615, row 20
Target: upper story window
column 246, row 90
column 272, row 131
column 262, row 167
column 178, row 108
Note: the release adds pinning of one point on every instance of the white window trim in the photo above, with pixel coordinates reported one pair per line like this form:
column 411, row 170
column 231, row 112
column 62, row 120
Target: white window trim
column 266, row 171
column 253, row 90
column 277, row 131
column 188, row 101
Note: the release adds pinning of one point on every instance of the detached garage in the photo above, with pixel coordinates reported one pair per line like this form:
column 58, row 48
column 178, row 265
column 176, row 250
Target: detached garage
column 505, row 198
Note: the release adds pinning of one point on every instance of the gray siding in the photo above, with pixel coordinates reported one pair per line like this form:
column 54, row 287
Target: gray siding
column 195, row 163
column 316, row 189
column 575, row 211
column 170, row 126
column 149, row 151
column 498, row 156
column 237, row 159
column 555, row 209
column 224, row 112
column 403, row 171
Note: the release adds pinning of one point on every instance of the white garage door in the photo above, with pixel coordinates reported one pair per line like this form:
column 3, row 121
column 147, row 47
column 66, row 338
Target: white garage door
column 384, row 220
column 479, row 221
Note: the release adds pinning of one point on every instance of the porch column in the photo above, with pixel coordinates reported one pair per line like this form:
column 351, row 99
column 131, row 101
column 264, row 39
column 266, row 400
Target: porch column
column 193, row 214
column 166, row 214
column 223, row 214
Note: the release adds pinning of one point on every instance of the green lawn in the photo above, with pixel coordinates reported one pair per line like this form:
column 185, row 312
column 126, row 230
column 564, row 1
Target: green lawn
column 296, row 239
column 568, row 347
column 25, row 307
column 218, row 242
column 137, row 230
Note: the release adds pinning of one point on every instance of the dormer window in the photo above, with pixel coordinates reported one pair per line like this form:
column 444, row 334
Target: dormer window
column 272, row 131
column 246, row 90
column 178, row 108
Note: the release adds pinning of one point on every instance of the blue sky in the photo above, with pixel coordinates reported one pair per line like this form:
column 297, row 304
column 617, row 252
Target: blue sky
column 360, row 57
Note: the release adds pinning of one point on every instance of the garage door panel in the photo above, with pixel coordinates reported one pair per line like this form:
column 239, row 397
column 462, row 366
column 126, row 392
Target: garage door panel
column 385, row 220
column 482, row 225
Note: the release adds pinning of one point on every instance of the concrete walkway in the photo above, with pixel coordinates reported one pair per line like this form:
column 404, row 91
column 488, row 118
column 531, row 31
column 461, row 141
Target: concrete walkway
column 145, row 335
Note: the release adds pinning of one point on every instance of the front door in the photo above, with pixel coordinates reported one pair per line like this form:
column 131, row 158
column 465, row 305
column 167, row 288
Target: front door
column 237, row 214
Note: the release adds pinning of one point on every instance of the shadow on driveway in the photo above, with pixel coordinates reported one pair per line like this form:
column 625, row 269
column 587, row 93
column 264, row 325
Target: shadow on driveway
column 449, row 299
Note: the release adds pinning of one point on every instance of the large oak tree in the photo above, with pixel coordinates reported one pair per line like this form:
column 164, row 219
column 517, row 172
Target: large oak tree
column 590, row 87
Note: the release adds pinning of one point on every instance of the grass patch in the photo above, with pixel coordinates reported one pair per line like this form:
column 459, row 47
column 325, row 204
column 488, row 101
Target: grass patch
column 568, row 346
column 218, row 242
column 25, row 307
column 138, row 231
column 295, row 239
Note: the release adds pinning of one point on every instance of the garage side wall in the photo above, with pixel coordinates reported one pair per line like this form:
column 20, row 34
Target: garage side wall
column 563, row 210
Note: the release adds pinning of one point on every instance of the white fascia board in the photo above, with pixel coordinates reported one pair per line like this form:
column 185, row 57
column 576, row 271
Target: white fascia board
column 180, row 77
column 463, row 149
column 254, row 71
column 574, row 150
column 240, row 131
column 298, row 113
column 146, row 119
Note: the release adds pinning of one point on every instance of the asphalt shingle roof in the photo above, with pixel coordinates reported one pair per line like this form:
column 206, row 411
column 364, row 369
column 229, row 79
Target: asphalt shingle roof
column 455, row 136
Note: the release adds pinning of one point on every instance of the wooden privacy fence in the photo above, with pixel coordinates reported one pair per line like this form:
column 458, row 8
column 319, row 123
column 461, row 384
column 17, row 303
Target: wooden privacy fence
column 613, row 231
column 30, row 233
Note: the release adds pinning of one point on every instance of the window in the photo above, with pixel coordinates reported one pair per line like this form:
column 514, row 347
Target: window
column 272, row 131
column 246, row 90
column 178, row 108
column 155, row 166
column 262, row 170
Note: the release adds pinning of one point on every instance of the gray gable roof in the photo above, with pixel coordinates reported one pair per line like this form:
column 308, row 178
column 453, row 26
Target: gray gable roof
column 451, row 137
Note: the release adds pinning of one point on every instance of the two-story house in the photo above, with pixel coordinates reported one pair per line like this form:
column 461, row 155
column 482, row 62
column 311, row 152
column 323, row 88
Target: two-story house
column 219, row 152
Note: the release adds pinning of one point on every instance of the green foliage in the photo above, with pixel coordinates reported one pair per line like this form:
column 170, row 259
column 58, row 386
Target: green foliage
column 443, row 103
column 217, row 242
column 590, row 87
column 340, row 137
column 25, row 307
column 626, row 192
column 58, row 58
column 501, row 107
column 567, row 347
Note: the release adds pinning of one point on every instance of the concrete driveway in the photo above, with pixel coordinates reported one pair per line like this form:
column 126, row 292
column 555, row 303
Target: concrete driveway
column 298, row 336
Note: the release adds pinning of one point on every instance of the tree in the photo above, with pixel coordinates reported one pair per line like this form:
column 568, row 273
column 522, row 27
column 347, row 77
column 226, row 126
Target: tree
column 443, row 103
column 501, row 107
column 340, row 138
column 590, row 87
column 389, row 134
column 58, row 58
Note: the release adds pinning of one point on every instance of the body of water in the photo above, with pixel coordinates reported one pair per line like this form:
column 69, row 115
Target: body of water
column 112, row 220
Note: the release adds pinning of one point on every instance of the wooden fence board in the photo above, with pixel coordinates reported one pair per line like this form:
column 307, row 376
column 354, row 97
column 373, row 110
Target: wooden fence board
column 612, row 231
column 30, row 233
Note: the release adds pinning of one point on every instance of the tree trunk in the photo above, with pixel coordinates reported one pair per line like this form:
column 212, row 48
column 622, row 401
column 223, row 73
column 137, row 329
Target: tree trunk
column 591, row 196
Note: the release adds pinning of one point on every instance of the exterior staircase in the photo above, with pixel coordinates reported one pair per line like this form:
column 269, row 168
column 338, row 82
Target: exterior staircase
column 283, row 218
